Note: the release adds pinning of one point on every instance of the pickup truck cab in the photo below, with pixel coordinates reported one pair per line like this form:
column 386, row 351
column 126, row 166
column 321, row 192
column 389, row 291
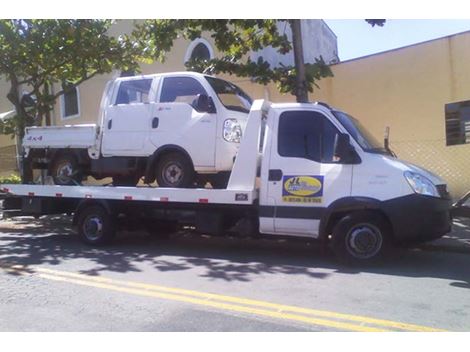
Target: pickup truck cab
column 170, row 127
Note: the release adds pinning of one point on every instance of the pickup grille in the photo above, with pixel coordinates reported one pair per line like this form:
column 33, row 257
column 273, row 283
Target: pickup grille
column 442, row 190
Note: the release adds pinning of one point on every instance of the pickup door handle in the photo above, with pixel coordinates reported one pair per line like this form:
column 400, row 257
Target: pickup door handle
column 275, row 175
column 110, row 124
column 155, row 122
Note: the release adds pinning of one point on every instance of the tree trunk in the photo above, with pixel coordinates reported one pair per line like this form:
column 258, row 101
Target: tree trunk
column 301, row 91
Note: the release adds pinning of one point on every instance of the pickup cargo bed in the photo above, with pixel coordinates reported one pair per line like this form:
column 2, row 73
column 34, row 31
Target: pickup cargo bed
column 69, row 136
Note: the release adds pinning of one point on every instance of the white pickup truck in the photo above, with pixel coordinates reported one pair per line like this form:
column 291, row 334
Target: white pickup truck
column 179, row 128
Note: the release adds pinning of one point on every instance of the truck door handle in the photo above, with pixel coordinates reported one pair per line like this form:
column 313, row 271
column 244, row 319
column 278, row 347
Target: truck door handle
column 275, row 175
column 155, row 122
column 110, row 124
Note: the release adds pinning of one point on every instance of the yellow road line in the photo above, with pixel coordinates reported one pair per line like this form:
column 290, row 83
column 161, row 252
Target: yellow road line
column 220, row 301
column 224, row 306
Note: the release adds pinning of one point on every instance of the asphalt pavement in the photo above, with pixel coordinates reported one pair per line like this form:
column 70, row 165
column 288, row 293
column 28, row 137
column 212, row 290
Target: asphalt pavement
column 50, row 281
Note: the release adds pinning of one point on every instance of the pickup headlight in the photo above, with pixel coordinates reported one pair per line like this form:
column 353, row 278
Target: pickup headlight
column 420, row 184
column 232, row 131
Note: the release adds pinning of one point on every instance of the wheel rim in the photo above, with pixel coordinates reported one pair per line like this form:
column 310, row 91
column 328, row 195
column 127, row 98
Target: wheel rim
column 93, row 227
column 173, row 173
column 364, row 241
column 64, row 172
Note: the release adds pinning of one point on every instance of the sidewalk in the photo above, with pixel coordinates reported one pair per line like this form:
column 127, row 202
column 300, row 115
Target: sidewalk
column 456, row 241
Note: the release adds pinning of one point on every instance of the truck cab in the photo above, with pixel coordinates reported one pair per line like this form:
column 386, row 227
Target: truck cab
column 173, row 127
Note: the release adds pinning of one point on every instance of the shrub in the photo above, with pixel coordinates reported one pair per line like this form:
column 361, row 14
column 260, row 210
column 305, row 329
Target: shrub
column 10, row 179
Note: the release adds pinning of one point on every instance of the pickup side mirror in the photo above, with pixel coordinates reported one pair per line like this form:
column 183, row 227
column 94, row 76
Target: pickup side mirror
column 203, row 103
column 344, row 151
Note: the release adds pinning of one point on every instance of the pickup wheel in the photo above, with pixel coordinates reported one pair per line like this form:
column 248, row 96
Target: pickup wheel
column 65, row 170
column 361, row 237
column 174, row 170
column 95, row 225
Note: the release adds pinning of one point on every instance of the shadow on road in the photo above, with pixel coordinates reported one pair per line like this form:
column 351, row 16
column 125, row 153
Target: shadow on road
column 27, row 241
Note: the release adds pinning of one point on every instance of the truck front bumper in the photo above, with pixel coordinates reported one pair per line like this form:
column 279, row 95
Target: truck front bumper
column 418, row 218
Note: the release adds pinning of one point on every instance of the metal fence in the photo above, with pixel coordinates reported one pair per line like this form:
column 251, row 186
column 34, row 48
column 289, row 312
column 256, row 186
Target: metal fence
column 452, row 163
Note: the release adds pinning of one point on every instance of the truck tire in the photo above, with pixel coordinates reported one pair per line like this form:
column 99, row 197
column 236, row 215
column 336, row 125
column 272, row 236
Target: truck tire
column 174, row 170
column 65, row 170
column 361, row 237
column 95, row 226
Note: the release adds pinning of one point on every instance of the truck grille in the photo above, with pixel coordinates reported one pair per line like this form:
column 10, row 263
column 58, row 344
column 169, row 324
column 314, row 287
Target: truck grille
column 442, row 190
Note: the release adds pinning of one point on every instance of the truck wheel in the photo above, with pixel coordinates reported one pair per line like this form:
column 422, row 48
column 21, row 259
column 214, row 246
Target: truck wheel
column 174, row 170
column 95, row 226
column 125, row 181
column 361, row 237
column 65, row 170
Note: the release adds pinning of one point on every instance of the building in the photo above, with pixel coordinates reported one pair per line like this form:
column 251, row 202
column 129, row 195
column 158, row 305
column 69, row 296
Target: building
column 419, row 91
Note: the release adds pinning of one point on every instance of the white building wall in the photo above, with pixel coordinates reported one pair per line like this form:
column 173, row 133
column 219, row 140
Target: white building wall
column 317, row 39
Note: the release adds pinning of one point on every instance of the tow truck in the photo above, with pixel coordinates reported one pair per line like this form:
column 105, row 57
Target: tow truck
column 303, row 170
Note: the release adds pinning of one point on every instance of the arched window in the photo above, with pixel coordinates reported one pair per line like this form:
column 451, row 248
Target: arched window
column 199, row 49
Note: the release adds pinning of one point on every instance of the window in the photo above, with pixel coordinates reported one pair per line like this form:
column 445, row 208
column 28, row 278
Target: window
column 70, row 104
column 199, row 49
column 180, row 90
column 134, row 91
column 457, row 118
column 200, row 52
column 232, row 97
column 307, row 134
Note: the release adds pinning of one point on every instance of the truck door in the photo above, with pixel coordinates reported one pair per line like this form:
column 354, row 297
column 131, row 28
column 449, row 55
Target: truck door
column 128, row 121
column 304, row 177
column 179, row 123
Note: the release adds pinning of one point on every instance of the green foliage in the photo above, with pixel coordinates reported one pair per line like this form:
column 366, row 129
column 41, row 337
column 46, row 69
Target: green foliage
column 10, row 179
column 35, row 54
column 234, row 39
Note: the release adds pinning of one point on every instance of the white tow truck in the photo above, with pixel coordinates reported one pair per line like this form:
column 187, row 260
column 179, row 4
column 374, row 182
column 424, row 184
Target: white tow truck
column 179, row 128
column 302, row 170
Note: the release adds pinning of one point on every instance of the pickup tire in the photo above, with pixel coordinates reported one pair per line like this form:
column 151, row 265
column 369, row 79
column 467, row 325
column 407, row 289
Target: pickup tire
column 174, row 170
column 65, row 170
column 95, row 225
column 361, row 237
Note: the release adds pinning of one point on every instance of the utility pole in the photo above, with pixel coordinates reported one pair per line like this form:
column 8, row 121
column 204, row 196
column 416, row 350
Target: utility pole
column 301, row 86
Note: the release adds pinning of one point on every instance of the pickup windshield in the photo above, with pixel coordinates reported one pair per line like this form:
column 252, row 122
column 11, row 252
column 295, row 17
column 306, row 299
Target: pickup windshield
column 360, row 134
column 232, row 97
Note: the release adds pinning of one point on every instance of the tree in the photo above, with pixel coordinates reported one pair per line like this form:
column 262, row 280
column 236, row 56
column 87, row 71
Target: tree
column 37, row 54
column 235, row 39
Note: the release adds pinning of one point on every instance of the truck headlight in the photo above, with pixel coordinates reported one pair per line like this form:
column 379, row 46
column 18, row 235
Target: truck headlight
column 232, row 131
column 420, row 184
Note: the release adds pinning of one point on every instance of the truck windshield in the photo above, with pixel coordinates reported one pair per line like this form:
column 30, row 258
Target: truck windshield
column 232, row 97
column 360, row 134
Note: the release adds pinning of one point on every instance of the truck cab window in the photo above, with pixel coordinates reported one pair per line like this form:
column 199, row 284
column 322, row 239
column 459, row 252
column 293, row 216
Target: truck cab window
column 134, row 91
column 306, row 134
column 181, row 90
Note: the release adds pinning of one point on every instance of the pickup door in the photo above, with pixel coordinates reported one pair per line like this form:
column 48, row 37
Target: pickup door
column 179, row 123
column 128, row 120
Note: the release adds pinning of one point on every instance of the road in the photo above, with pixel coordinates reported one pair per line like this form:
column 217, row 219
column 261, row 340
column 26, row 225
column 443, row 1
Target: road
column 49, row 281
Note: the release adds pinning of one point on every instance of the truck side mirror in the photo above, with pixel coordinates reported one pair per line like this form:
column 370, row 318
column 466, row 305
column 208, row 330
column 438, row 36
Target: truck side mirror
column 203, row 103
column 344, row 151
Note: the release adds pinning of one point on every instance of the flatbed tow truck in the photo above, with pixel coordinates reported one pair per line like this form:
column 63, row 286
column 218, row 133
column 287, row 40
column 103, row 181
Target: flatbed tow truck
column 303, row 170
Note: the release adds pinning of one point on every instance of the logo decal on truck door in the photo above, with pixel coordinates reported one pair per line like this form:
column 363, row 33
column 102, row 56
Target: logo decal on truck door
column 302, row 189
